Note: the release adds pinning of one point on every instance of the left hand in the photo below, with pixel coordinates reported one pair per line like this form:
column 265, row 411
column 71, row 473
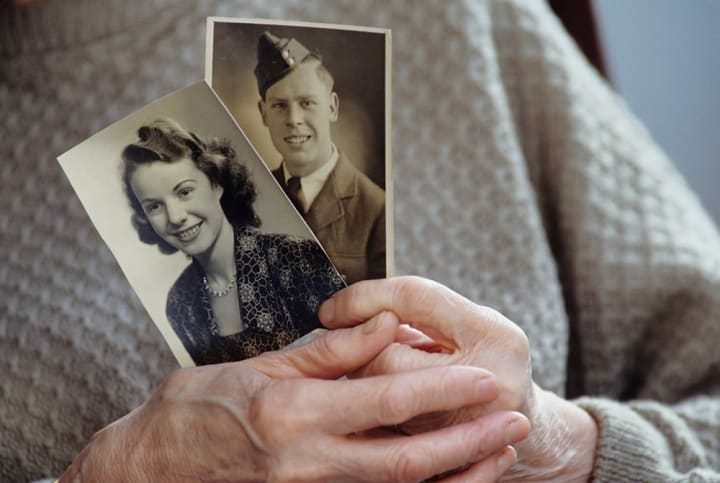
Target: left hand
column 562, row 441
column 283, row 416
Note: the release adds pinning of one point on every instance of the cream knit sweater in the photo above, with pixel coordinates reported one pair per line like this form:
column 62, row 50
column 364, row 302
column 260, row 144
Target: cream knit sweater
column 521, row 181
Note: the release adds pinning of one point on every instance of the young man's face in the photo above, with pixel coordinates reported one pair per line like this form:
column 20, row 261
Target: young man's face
column 298, row 110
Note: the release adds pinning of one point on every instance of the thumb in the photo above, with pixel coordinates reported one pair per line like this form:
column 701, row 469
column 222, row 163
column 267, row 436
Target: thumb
column 333, row 354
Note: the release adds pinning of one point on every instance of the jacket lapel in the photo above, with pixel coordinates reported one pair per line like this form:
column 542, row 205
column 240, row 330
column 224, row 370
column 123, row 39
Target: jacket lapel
column 327, row 206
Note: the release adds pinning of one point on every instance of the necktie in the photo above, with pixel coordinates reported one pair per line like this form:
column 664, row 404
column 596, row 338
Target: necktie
column 295, row 194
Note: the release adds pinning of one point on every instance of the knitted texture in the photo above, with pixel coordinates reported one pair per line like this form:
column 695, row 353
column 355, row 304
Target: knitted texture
column 521, row 181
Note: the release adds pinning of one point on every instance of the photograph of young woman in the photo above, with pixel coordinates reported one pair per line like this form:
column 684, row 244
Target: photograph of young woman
column 216, row 252
column 245, row 292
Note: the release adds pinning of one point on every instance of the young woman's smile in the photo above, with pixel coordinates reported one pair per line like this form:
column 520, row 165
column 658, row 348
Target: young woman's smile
column 189, row 234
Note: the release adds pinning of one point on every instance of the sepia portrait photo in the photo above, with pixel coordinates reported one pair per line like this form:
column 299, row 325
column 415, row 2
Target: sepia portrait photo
column 213, row 247
column 314, row 100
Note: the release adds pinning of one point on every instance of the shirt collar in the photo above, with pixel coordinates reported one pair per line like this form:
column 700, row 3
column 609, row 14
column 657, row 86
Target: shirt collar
column 313, row 183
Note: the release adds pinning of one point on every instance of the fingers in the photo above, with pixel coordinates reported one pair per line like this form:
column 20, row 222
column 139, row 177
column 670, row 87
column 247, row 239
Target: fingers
column 331, row 355
column 418, row 457
column 424, row 304
column 348, row 406
column 400, row 358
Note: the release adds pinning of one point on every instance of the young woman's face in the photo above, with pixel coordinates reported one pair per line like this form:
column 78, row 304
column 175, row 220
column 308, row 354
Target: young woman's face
column 180, row 203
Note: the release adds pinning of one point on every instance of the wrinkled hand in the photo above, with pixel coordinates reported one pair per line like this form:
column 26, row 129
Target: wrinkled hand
column 562, row 442
column 283, row 417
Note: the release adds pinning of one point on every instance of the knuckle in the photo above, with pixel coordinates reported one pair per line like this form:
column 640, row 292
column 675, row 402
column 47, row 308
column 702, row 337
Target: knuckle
column 483, row 443
column 411, row 465
column 178, row 381
column 326, row 348
column 176, row 378
column 518, row 342
column 493, row 316
column 348, row 300
column 413, row 291
column 402, row 289
column 391, row 407
column 514, row 337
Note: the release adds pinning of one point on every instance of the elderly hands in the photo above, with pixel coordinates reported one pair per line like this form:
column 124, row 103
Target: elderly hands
column 562, row 442
column 283, row 417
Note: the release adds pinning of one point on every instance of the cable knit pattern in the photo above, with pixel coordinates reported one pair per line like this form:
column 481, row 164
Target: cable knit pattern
column 521, row 181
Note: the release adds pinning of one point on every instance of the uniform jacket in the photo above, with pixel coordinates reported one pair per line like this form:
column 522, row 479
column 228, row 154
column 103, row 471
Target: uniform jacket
column 348, row 217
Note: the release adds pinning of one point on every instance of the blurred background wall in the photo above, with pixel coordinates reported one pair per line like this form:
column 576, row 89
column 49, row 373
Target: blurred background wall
column 663, row 56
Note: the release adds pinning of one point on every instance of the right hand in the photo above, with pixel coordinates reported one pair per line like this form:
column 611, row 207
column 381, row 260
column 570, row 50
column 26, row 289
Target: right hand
column 455, row 331
column 283, row 416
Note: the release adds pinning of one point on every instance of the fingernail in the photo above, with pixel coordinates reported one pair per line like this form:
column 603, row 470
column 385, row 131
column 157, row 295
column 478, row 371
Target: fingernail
column 327, row 310
column 506, row 459
column 372, row 325
column 516, row 430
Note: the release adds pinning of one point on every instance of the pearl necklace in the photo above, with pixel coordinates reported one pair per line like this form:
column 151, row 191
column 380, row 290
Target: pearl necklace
column 223, row 292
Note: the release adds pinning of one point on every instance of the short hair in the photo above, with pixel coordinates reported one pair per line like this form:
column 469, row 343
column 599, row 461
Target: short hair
column 166, row 141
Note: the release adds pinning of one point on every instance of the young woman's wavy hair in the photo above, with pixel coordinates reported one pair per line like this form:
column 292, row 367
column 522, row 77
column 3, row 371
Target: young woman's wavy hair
column 166, row 141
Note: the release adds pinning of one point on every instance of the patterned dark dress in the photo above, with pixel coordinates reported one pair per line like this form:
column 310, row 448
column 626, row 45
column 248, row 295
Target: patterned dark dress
column 281, row 282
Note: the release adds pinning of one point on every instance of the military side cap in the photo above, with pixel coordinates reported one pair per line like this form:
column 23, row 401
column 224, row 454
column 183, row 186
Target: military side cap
column 275, row 58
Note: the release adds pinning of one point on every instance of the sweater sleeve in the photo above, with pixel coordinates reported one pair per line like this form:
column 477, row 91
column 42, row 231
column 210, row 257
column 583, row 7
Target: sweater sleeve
column 650, row 441
column 637, row 255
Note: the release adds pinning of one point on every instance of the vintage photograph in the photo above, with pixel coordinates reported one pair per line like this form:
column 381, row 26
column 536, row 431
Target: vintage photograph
column 314, row 100
column 214, row 249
